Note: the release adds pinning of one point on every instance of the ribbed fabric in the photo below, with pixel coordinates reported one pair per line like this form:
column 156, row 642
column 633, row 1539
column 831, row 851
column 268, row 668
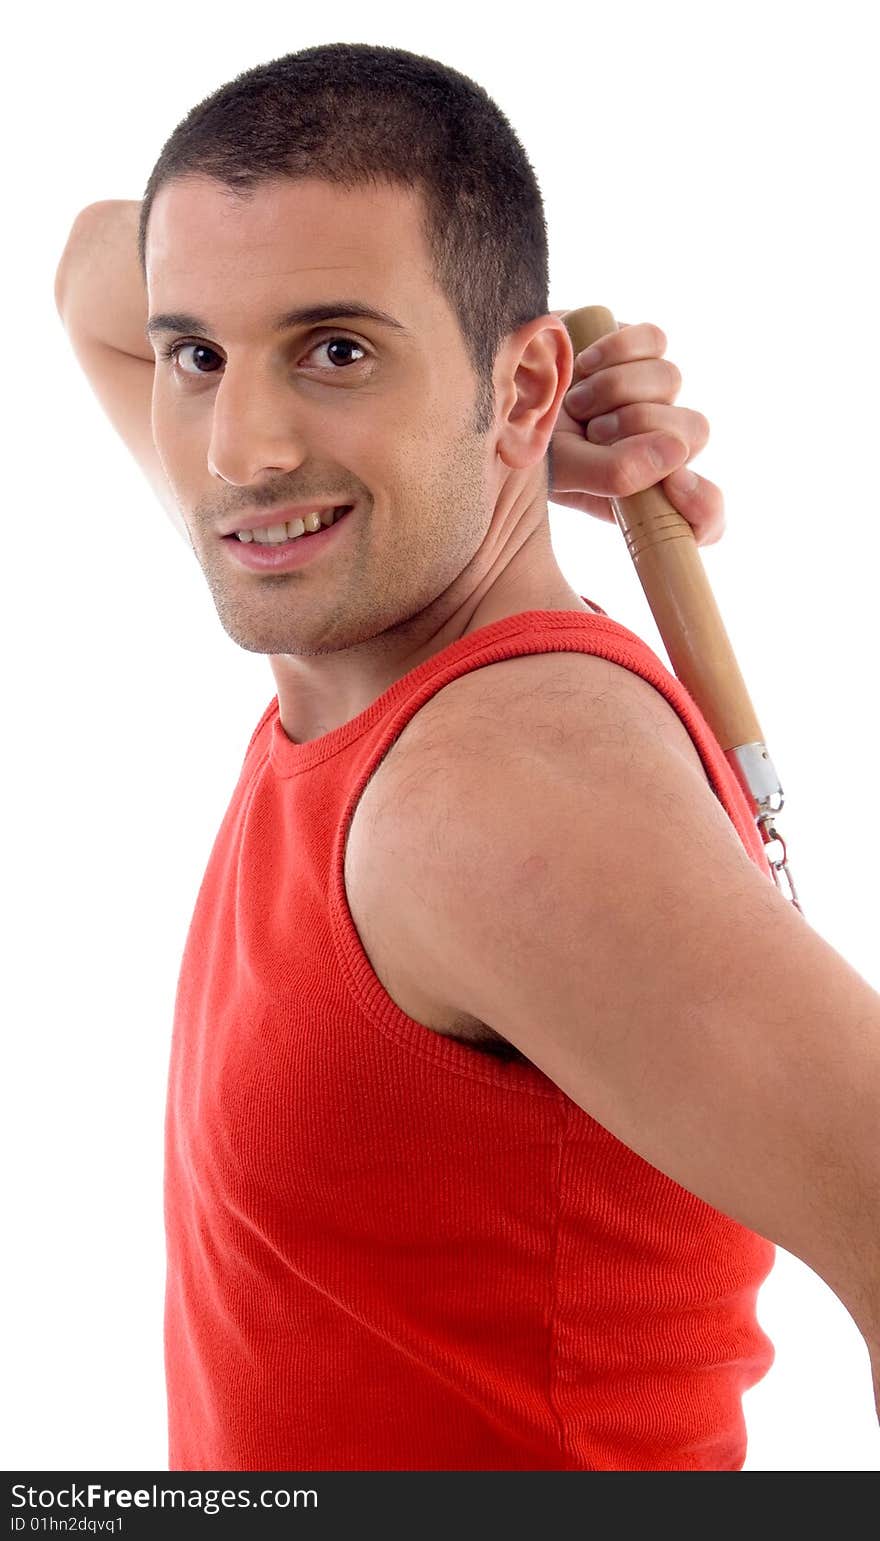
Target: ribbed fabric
column 388, row 1250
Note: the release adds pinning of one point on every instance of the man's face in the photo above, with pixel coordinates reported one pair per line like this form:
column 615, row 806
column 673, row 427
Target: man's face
column 248, row 420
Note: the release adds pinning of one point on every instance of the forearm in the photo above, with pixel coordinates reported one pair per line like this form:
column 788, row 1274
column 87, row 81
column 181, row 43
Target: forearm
column 99, row 288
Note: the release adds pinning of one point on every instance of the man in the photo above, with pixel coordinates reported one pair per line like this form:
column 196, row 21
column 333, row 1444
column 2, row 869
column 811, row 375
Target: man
column 488, row 1093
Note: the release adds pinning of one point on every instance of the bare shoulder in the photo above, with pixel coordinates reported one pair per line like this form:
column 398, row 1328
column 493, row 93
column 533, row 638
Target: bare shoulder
column 539, row 714
column 534, row 717
column 534, row 708
column 544, row 702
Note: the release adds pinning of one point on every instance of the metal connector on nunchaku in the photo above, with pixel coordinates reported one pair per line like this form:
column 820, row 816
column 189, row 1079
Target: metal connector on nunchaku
column 664, row 552
column 756, row 774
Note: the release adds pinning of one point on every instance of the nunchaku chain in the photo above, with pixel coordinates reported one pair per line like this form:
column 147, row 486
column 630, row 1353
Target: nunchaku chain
column 778, row 863
column 756, row 774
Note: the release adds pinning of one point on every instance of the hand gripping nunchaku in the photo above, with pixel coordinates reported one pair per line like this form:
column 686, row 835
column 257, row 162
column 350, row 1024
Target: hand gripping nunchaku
column 670, row 569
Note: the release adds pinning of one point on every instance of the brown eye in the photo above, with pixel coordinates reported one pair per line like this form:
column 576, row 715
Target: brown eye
column 177, row 348
column 345, row 344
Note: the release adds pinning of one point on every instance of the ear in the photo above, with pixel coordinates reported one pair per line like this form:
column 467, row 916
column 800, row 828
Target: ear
column 532, row 374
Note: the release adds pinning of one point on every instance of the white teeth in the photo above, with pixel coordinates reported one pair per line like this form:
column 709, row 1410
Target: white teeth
column 274, row 534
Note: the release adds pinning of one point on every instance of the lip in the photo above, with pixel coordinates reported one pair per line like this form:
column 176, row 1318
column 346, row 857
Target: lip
column 285, row 557
column 262, row 521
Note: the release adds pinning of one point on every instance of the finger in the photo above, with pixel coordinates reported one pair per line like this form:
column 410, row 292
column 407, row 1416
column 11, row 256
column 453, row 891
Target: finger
column 586, row 503
column 703, row 508
column 644, row 340
column 641, row 380
column 702, row 504
column 567, row 311
column 648, row 417
column 616, row 470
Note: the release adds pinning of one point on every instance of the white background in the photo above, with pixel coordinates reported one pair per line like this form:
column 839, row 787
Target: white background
column 709, row 168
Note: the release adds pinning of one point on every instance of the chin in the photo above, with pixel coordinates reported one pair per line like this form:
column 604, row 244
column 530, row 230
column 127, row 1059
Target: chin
column 274, row 641
column 261, row 639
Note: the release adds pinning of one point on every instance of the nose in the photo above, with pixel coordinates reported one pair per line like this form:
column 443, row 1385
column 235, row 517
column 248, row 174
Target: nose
column 254, row 428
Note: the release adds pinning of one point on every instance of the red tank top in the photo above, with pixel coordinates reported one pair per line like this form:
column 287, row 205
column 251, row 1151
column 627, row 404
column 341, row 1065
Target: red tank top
column 388, row 1250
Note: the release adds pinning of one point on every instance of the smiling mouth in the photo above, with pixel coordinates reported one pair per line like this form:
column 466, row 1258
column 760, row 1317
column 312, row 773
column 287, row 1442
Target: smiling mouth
column 294, row 529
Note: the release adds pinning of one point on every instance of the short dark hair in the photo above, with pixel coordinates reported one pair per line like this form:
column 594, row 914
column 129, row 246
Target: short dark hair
column 355, row 114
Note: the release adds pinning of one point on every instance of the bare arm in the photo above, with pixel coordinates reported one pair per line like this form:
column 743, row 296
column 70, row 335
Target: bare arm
column 101, row 298
column 98, row 284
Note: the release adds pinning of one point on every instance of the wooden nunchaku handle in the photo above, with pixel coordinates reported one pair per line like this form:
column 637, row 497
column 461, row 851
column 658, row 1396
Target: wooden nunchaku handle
column 667, row 560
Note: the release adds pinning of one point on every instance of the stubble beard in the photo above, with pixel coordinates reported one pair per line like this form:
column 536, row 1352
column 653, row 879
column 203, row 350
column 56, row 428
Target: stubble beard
column 310, row 613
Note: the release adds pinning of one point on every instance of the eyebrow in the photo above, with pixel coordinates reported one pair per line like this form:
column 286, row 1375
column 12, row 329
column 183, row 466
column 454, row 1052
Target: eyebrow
column 303, row 315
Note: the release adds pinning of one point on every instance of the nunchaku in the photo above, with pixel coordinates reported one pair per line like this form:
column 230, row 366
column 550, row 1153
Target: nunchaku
column 668, row 563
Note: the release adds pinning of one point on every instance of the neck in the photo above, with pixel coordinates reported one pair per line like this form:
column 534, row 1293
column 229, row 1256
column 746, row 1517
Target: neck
column 320, row 692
